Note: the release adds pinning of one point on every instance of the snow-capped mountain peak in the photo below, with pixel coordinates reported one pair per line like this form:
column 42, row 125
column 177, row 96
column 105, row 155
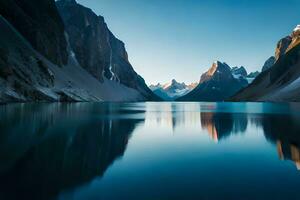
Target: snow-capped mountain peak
column 172, row 90
column 174, row 85
column 297, row 28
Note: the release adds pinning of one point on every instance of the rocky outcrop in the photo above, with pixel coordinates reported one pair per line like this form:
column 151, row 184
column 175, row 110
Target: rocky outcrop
column 281, row 82
column 269, row 63
column 39, row 22
column 217, row 84
column 253, row 74
column 287, row 43
column 97, row 50
column 241, row 71
column 295, row 38
column 282, row 46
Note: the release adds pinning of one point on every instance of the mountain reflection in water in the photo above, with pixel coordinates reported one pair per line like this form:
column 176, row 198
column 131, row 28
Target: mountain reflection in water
column 282, row 129
column 46, row 149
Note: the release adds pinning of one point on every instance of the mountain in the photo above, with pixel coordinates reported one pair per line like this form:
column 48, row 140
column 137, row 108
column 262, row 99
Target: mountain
column 239, row 71
column 281, row 82
column 97, row 49
column 172, row 90
column 269, row 63
column 40, row 24
column 38, row 62
column 217, row 84
column 253, row 75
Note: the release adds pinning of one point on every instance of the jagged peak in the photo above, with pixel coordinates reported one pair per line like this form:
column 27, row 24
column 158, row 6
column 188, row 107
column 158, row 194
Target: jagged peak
column 217, row 63
column 216, row 66
column 239, row 71
column 296, row 32
column 174, row 81
column 297, row 28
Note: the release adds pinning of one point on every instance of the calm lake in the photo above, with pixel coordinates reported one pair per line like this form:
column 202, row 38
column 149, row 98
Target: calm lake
column 149, row 151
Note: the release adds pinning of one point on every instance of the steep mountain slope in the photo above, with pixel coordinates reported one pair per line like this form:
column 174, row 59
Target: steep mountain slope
column 282, row 81
column 39, row 22
column 25, row 75
column 269, row 63
column 37, row 62
column 172, row 90
column 217, row 84
column 97, row 49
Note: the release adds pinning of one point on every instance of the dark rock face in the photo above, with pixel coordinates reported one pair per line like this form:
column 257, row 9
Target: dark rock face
column 86, row 31
column 38, row 63
column 20, row 69
column 282, row 46
column 39, row 22
column 277, row 83
column 217, row 84
column 253, row 74
column 97, row 49
column 239, row 71
column 269, row 63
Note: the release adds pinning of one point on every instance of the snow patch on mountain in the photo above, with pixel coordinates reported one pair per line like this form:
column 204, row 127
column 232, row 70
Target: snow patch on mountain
column 172, row 90
column 297, row 28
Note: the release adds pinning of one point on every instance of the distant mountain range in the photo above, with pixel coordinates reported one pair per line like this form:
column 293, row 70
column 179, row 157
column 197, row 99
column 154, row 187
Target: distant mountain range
column 62, row 51
column 219, row 83
column 280, row 81
column 172, row 90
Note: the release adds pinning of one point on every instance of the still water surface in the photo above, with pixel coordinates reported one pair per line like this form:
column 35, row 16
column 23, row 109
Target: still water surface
column 150, row 151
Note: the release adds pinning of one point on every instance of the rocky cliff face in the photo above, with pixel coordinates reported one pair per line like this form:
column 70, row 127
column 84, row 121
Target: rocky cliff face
column 217, row 84
column 239, row 71
column 20, row 67
column 39, row 22
column 282, row 46
column 282, row 81
column 38, row 63
column 269, row 63
column 97, row 49
column 287, row 43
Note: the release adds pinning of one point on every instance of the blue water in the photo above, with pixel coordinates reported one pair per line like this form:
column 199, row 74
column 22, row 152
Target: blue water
column 150, row 151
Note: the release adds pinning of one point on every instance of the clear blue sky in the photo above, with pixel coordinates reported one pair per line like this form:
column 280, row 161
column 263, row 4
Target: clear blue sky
column 180, row 39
